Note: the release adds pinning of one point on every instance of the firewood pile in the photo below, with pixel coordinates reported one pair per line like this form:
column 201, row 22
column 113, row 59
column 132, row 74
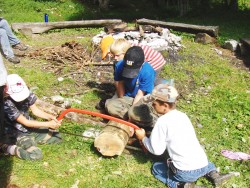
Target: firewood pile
column 68, row 53
column 77, row 60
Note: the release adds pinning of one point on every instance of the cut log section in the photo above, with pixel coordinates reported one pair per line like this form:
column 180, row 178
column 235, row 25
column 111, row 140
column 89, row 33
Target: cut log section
column 189, row 28
column 112, row 139
column 40, row 27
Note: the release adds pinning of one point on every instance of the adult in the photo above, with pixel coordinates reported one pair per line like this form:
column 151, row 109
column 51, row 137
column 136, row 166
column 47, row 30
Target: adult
column 8, row 41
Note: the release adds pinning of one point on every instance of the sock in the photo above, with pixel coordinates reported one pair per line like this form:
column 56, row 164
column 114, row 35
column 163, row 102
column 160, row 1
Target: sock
column 11, row 149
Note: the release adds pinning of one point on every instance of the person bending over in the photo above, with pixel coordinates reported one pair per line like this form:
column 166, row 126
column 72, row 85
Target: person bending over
column 174, row 131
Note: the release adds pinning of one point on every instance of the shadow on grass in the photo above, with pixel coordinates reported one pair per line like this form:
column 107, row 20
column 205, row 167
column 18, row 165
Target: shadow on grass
column 232, row 25
column 6, row 163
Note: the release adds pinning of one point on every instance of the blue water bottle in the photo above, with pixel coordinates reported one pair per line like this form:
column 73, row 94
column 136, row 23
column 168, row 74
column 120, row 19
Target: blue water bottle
column 46, row 18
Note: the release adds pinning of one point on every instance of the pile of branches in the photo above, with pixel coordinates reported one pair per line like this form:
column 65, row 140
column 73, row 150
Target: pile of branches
column 67, row 53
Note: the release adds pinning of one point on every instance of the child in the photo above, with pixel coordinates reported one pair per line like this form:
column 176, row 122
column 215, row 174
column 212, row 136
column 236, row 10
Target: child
column 17, row 103
column 117, row 49
column 136, row 79
column 5, row 148
column 174, row 131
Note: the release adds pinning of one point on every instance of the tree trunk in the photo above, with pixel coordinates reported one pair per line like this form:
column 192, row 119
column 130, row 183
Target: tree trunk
column 183, row 6
column 104, row 4
column 112, row 139
column 234, row 5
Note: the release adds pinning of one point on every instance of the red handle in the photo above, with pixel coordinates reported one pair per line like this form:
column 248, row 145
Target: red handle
column 97, row 114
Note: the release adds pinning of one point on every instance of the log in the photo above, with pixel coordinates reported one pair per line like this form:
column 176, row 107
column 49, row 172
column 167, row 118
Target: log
column 244, row 46
column 120, row 27
column 246, row 42
column 189, row 28
column 41, row 27
column 72, row 116
column 113, row 139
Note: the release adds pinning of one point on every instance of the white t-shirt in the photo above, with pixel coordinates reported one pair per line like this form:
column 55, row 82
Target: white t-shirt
column 175, row 132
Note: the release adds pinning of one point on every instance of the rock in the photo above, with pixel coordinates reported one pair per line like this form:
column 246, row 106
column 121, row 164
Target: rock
column 231, row 45
column 166, row 41
column 57, row 98
column 204, row 38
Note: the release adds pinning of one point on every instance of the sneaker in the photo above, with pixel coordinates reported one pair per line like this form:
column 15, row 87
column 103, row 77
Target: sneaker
column 19, row 53
column 20, row 47
column 14, row 60
column 3, row 148
column 218, row 179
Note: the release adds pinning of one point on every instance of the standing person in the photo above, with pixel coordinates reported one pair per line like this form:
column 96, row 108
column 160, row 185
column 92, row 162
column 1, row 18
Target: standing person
column 17, row 103
column 174, row 131
column 136, row 79
column 8, row 40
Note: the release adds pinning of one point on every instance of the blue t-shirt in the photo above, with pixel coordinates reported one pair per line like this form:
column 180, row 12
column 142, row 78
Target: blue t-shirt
column 144, row 80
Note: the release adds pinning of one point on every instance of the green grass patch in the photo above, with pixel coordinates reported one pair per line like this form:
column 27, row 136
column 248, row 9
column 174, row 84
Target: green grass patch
column 214, row 93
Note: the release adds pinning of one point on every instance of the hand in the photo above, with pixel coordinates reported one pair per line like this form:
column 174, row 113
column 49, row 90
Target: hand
column 140, row 134
column 131, row 131
column 54, row 124
column 51, row 117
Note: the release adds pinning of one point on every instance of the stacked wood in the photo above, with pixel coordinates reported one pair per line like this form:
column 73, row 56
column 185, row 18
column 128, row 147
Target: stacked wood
column 68, row 52
column 149, row 29
column 210, row 30
column 113, row 139
column 40, row 27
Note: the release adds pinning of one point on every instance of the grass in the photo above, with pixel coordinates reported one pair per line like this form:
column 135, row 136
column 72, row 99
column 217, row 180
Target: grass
column 214, row 94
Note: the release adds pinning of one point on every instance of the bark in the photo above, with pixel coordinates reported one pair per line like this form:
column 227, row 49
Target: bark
column 104, row 4
column 40, row 27
column 76, row 117
column 112, row 139
column 189, row 28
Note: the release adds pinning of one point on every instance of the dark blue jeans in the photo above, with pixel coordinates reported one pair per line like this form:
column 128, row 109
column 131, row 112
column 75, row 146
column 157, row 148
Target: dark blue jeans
column 162, row 172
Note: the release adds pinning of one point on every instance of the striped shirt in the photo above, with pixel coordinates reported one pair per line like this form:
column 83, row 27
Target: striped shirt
column 154, row 58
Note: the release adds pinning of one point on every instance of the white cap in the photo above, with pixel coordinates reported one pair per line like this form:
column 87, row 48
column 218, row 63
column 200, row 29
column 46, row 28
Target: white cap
column 17, row 88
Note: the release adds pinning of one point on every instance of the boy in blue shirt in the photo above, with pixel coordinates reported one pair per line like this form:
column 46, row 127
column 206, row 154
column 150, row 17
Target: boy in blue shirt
column 136, row 79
